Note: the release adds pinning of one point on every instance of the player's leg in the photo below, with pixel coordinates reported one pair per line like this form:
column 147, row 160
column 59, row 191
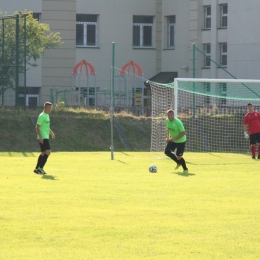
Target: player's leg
column 38, row 163
column 179, row 154
column 171, row 146
column 45, row 154
column 258, row 143
column 253, row 144
column 37, row 167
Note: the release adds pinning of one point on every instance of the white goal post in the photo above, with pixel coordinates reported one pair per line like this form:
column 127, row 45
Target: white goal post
column 212, row 111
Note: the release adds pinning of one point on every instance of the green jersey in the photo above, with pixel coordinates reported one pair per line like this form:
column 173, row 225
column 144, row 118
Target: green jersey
column 175, row 127
column 44, row 123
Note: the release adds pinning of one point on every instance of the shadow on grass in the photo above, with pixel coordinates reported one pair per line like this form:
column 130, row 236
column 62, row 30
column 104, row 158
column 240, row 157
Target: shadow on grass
column 17, row 154
column 121, row 161
column 236, row 163
column 28, row 154
column 184, row 174
column 125, row 153
column 49, row 177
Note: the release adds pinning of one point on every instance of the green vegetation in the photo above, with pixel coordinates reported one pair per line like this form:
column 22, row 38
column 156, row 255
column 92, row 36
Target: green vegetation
column 90, row 130
column 91, row 207
column 38, row 38
column 75, row 129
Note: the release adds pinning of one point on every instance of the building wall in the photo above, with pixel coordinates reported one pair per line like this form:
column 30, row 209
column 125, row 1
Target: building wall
column 11, row 6
column 57, row 64
column 241, row 35
column 175, row 59
column 115, row 24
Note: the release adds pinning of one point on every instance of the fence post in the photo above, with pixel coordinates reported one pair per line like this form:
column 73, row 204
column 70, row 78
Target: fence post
column 112, row 100
column 17, row 60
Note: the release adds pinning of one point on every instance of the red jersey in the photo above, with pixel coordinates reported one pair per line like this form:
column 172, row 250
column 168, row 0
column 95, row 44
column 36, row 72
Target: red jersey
column 252, row 120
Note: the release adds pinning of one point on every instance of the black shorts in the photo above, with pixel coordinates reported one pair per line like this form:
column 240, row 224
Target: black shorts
column 255, row 138
column 45, row 145
column 179, row 146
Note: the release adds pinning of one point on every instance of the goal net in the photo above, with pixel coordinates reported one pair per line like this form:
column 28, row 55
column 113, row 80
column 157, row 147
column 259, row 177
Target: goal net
column 211, row 110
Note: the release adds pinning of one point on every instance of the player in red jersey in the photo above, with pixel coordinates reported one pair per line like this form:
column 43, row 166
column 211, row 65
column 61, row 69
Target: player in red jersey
column 252, row 125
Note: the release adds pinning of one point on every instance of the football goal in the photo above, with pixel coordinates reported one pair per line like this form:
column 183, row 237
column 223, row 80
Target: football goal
column 211, row 110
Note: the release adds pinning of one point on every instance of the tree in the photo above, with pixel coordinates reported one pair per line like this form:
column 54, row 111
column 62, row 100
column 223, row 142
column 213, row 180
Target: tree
column 22, row 41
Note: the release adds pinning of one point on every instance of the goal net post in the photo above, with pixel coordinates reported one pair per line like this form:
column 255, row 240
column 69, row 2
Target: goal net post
column 211, row 110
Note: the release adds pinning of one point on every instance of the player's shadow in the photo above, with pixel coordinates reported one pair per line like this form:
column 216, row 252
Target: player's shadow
column 184, row 174
column 49, row 177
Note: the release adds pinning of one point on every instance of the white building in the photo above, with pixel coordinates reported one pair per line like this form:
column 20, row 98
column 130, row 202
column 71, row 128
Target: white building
column 158, row 35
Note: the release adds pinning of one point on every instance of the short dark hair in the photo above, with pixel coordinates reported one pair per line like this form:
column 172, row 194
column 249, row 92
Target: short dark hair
column 46, row 104
column 249, row 104
column 170, row 111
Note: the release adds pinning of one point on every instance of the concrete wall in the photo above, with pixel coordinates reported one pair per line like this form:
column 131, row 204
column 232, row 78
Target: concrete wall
column 57, row 64
column 173, row 60
column 115, row 25
column 241, row 35
column 11, row 6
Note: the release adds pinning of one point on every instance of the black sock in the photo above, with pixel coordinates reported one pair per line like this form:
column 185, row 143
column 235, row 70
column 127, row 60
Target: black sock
column 183, row 164
column 173, row 157
column 39, row 161
column 44, row 160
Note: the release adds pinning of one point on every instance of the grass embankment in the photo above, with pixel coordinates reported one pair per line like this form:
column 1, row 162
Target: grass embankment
column 75, row 129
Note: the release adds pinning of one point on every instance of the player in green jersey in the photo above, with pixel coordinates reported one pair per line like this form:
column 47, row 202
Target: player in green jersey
column 176, row 139
column 43, row 131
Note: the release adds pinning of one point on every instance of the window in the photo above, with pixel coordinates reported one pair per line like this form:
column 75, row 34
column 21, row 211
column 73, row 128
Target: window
column 92, row 95
column 32, row 100
column 207, row 90
column 37, row 17
column 207, row 51
column 223, row 54
column 223, row 15
column 170, row 31
column 86, row 30
column 223, row 93
column 89, row 100
column 137, row 97
column 147, row 97
column 28, row 97
column 207, row 17
column 142, row 31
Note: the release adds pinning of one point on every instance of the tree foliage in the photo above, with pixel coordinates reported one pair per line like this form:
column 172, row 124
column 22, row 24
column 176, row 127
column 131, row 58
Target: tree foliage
column 22, row 45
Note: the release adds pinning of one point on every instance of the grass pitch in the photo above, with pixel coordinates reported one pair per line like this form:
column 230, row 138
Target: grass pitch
column 91, row 207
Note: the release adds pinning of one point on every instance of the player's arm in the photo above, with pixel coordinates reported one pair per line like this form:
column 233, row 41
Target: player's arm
column 258, row 115
column 38, row 131
column 52, row 134
column 245, row 126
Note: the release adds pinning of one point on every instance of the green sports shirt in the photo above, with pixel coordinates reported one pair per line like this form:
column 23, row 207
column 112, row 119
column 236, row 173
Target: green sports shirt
column 175, row 127
column 44, row 123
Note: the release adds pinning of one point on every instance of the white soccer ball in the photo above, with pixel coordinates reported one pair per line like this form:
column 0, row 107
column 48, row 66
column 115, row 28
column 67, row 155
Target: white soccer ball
column 153, row 168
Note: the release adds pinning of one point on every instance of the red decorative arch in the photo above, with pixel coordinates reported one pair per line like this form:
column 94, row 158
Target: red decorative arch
column 80, row 65
column 134, row 66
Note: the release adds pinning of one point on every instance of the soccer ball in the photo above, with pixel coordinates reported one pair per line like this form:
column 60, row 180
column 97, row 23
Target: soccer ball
column 153, row 168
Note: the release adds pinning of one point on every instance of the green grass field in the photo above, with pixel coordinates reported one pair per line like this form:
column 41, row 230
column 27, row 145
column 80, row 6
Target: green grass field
column 91, row 207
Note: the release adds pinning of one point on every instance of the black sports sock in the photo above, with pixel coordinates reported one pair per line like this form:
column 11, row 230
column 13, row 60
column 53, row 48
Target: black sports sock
column 183, row 164
column 39, row 161
column 44, row 160
column 173, row 157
